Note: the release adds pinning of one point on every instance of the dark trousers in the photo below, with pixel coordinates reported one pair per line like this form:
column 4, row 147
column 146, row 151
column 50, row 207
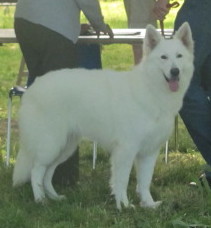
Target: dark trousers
column 196, row 110
column 45, row 50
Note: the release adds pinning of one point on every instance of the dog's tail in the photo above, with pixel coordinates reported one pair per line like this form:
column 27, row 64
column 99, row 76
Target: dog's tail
column 22, row 169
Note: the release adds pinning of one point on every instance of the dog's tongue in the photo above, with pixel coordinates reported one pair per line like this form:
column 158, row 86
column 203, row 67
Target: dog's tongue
column 173, row 85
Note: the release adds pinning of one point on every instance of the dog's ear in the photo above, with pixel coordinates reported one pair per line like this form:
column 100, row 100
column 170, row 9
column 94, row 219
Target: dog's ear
column 152, row 38
column 185, row 35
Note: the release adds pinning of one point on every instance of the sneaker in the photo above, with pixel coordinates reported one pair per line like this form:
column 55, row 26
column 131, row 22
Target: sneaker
column 202, row 180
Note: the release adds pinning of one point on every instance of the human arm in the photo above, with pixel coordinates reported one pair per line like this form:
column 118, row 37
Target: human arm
column 92, row 10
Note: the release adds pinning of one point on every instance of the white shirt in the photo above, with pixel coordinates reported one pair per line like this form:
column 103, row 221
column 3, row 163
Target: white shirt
column 62, row 16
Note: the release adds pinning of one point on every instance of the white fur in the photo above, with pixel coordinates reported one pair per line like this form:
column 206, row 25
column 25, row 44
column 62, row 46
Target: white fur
column 131, row 114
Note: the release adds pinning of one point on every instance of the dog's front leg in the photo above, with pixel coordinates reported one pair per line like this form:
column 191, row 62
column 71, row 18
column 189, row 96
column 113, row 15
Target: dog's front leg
column 144, row 170
column 121, row 164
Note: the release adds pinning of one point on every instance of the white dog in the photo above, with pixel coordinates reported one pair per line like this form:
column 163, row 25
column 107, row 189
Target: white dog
column 130, row 114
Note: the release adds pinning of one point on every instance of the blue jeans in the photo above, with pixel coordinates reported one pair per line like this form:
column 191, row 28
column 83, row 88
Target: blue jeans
column 196, row 110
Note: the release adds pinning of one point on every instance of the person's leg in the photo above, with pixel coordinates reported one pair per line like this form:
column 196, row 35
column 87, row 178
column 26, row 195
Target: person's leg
column 127, row 4
column 28, row 39
column 89, row 56
column 57, row 53
column 139, row 14
column 196, row 110
column 45, row 50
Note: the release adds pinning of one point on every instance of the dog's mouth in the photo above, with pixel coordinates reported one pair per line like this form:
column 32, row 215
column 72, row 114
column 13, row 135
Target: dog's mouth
column 173, row 82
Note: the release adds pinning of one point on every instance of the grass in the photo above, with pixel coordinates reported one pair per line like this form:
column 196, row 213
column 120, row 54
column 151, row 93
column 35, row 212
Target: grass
column 89, row 204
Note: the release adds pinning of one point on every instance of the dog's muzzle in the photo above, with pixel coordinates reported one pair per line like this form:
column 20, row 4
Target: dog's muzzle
column 173, row 80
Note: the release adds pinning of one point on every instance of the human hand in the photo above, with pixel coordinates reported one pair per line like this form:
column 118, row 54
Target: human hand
column 106, row 30
column 86, row 29
column 161, row 9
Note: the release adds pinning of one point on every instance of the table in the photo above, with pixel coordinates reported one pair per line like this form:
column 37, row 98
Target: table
column 121, row 36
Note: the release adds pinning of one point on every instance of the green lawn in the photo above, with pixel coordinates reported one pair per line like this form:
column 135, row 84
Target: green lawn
column 89, row 204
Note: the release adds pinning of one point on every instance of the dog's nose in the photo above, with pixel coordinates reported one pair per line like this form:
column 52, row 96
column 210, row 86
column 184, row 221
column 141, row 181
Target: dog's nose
column 174, row 72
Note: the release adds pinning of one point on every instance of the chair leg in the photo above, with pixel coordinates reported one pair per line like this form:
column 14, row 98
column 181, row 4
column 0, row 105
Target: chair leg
column 8, row 131
column 176, row 133
column 21, row 72
column 166, row 152
column 94, row 154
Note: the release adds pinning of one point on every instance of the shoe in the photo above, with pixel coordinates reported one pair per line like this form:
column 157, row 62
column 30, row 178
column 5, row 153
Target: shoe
column 202, row 180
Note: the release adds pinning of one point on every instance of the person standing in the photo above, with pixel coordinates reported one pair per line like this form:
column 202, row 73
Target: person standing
column 140, row 13
column 196, row 111
column 47, row 32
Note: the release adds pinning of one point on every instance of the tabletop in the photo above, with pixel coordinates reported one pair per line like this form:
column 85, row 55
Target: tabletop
column 125, row 36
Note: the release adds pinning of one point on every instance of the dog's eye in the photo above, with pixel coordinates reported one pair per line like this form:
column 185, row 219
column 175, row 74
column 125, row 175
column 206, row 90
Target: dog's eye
column 179, row 55
column 164, row 57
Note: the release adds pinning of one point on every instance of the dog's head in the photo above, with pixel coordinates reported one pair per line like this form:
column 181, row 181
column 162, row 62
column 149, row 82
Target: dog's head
column 170, row 59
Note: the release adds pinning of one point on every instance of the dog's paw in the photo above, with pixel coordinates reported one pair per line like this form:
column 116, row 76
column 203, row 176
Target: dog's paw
column 152, row 205
column 122, row 204
column 57, row 197
column 121, row 200
column 132, row 206
column 125, row 205
column 42, row 201
column 60, row 197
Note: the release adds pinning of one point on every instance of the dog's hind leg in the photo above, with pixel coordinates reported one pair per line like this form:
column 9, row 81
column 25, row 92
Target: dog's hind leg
column 48, row 186
column 65, row 154
column 144, row 170
column 37, row 176
column 121, row 164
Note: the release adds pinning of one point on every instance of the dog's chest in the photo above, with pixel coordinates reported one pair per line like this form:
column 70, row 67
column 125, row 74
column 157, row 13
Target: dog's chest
column 155, row 133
